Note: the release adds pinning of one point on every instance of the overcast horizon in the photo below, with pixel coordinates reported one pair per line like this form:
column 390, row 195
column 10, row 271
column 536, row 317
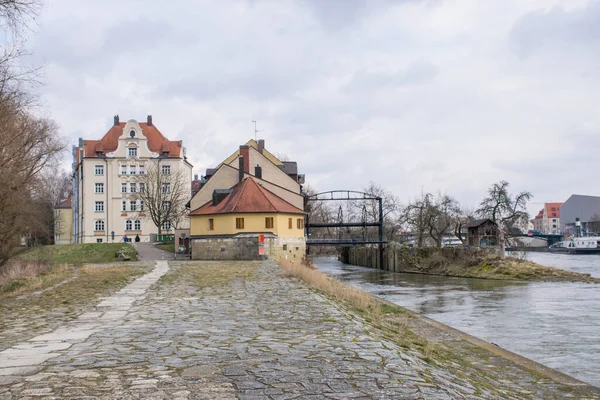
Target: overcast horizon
column 447, row 96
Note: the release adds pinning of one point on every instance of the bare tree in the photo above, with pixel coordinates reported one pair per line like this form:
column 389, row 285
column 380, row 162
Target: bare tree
column 27, row 145
column 506, row 210
column 441, row 214
column 417, row 217
column 462, row 218
column 164, row 193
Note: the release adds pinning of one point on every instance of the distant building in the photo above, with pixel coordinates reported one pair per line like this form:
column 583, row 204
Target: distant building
column 482, row 233
column 538, row 221
column 586, row 208
column 547, row 221
column 63, row 223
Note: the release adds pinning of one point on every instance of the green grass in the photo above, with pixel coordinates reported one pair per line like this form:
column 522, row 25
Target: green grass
column 170, row 247
column 89, row 253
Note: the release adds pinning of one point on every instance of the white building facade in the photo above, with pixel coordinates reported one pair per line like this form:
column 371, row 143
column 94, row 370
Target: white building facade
column 106, row 202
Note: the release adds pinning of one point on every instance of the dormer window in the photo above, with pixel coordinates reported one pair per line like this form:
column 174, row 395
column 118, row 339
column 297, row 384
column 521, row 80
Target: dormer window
column 133, row 152
column 132, row 133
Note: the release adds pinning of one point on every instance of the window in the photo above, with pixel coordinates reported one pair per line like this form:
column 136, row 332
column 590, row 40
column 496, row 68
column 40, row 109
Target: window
column 98, row 240
column 99, row 187
column 239, row 223
column 123, row 169
column 141, row 205
column 269, row 222
column 132, row 205
column 132, row 169
column 137, row 225
column 142, row 187
column 57, row 236
column 290, row 223
column 166, row 205
column 124, row 205
column 99, row 225
column 211, row 224
column 99, row 170
column 99, row 206
column 132, row 133
column 58, row 225
column 123, row 188
column 142, row 169
column 166, row 188
column 300, row 223
column 166, row 169
column 128, row 225
column 166, row 225
column 133, row 152
column 132, row 187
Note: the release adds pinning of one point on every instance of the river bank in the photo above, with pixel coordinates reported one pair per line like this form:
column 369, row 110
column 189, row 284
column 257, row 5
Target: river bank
column 460, row 262
column 489, row 370
column 553, row 323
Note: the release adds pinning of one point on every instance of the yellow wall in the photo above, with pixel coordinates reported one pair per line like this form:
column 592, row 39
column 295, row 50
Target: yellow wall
column 224, row 224
column 64, row 225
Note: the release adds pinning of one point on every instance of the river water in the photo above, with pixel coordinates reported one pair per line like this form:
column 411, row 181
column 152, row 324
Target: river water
column 556, row 324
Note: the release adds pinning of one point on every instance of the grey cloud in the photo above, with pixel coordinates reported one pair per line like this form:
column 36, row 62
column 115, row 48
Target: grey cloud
column 557, row 30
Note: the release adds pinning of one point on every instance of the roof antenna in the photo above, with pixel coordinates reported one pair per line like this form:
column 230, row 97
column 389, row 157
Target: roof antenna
column 255, row 130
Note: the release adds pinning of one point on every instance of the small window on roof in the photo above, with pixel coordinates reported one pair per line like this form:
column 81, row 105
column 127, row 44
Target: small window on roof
column 132, row 133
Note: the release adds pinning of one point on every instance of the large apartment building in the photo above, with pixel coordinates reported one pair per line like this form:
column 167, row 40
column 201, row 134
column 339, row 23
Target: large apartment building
column 106, row 202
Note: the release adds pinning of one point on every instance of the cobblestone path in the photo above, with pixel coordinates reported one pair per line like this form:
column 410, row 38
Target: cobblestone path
column 259, row 337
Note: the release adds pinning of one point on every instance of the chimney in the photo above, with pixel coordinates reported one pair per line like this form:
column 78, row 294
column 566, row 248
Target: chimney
column 261, row 145
column 116, row 120
column 245, row 152
column 241, row 168
column 149, row 120
column 258, row 171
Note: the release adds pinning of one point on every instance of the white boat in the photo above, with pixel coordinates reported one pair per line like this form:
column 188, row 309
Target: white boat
column 578, row 245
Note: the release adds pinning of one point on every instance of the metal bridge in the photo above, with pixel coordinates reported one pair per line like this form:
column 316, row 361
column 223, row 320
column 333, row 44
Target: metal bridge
column 340, row 223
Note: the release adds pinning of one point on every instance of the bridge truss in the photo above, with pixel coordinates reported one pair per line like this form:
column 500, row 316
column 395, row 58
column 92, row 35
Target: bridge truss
column 340, row 223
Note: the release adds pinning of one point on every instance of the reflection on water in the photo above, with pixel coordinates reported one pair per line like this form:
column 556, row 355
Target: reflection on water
column 556, row 324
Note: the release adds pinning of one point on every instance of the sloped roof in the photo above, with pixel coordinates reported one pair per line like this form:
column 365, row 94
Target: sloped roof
column 478, row 222
column 254, row 144
column 65, row 204
column 539, row 215
column 157, row 142
column 248, row 197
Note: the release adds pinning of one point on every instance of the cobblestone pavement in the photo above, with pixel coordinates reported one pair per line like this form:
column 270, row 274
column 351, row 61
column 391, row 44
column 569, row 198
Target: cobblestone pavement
column 263, row 337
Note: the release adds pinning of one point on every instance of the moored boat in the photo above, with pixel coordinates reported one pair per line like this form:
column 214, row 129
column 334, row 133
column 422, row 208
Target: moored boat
column 578, row 245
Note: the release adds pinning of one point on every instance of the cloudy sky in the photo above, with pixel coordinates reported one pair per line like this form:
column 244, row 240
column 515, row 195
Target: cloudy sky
column 411, row 94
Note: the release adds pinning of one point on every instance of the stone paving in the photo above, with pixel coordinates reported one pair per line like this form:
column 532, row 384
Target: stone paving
column 265, row 337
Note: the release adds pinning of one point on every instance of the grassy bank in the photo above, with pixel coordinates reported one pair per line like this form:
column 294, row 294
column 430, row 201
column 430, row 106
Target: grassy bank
column 26, row 275
column 459, row 262
column 508, row 268
column 77, row 254
column 478, row 363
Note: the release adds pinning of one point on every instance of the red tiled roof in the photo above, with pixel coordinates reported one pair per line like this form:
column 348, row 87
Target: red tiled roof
column 65, row 204
column 248, row 197
column 553, row 209
column 156, row 141
column 539, row 215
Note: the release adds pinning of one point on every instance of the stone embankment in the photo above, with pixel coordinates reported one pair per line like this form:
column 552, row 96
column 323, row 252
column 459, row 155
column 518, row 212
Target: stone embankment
column 459, row 262
column 226, row 330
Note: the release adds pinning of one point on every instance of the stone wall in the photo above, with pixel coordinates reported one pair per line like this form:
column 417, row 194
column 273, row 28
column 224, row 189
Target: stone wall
column 426, row 260
column 246, row 248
